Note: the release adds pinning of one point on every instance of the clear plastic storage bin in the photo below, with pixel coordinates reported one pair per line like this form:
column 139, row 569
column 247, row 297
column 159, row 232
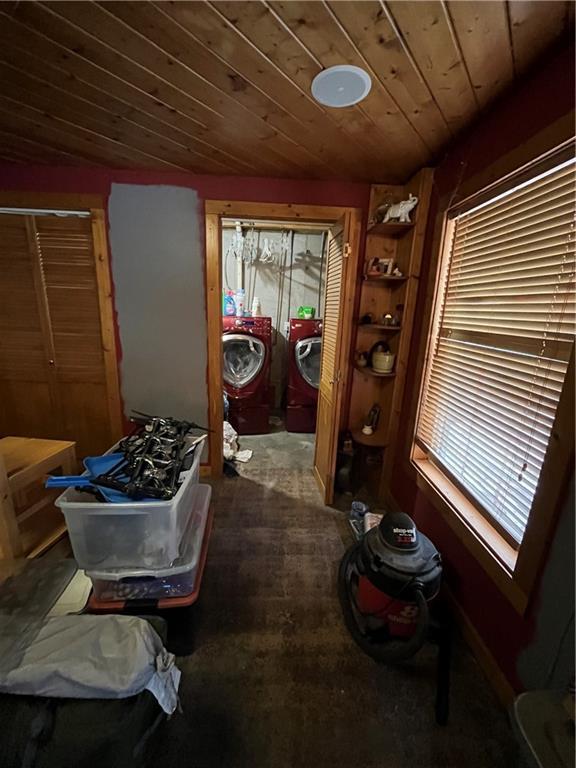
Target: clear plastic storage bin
column 137, row 534
column 156, row 584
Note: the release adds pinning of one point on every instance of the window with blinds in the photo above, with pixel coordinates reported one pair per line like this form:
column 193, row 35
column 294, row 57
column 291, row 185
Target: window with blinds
column 502, row 336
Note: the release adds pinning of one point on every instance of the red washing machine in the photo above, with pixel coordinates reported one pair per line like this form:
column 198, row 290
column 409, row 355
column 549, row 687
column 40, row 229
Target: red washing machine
column 305, row 351
column 247, row 352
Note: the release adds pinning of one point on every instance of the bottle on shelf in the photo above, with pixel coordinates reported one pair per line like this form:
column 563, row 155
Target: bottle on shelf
column 240, row 299
column 228, row 304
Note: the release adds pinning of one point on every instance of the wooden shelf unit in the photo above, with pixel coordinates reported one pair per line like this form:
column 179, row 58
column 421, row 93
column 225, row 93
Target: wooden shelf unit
column 371, row 441
column 371, row 372
column 385, row 278
column 379, row 327
column 393, row 229
column 380, row 295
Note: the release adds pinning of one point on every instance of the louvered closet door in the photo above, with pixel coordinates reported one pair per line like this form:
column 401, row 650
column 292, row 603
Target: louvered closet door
column 67, row 255
column 330, row 390
column 53, row 372
column 28, row 404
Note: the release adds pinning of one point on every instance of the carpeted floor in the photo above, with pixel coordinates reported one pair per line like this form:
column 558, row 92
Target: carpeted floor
column 276, row 682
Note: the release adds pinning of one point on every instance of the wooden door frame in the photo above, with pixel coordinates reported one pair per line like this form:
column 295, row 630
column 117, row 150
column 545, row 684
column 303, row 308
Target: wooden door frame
column 341, row 394
column 95, row 205
column 215, row 211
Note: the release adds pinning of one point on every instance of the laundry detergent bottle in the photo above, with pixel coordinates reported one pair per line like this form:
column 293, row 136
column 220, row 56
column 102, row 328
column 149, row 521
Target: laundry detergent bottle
column 240, row 300
column 228, row 304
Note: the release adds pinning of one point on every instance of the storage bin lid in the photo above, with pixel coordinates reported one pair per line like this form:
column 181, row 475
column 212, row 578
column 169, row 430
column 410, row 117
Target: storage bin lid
column 191, row 545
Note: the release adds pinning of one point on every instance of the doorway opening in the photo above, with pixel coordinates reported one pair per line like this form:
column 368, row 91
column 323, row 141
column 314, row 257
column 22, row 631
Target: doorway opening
column 280, row 286
column 272, row 308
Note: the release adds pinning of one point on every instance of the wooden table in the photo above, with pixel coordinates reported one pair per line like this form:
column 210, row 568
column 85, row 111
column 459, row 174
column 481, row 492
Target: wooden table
column 24, row 462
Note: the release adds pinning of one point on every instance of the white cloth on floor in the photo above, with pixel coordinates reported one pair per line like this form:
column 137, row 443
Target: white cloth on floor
column 231, row 451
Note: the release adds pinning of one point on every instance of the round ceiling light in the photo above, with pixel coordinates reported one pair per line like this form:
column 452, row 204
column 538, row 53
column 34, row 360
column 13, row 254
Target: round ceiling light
column 341, row 86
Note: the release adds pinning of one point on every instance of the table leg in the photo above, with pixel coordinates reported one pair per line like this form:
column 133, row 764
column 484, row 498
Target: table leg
column 10, row 543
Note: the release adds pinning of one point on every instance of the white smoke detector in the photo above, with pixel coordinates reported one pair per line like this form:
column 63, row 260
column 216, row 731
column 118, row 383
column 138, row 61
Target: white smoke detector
column 341, row 86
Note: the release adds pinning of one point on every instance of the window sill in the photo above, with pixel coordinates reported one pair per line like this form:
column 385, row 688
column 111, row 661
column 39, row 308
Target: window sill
column 490, row 549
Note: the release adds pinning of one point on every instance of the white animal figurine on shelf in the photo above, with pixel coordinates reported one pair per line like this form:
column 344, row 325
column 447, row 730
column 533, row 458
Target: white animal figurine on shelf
column 399, row 211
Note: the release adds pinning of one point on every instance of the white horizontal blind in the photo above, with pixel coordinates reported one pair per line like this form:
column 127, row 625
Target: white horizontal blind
column 503, row 333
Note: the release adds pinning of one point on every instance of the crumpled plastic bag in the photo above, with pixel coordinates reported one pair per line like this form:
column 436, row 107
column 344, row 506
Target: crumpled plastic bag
column 231, row 450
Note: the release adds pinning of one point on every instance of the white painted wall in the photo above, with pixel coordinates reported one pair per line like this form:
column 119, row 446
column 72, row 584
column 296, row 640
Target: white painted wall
column 298, row 280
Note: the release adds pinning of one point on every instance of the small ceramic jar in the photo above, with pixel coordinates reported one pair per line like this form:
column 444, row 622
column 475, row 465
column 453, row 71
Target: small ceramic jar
column 383, row 362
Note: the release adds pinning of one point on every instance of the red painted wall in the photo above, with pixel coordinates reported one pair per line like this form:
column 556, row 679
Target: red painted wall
column 523, row 117
column 99, row 180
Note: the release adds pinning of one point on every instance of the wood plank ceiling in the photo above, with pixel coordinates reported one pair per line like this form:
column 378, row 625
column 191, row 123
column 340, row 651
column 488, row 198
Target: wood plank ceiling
column 224, row 87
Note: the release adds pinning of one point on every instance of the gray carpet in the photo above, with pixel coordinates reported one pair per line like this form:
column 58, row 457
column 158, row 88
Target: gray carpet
column 276, row 682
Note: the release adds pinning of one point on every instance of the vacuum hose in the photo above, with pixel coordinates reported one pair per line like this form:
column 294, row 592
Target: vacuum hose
column 390, row 651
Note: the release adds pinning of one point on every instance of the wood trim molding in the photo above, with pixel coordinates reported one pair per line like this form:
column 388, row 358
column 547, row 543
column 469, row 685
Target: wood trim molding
column 105, row 302
column 494, row 674
column 495, row 556
column 70, row 201
column 214, row 330
column 214, row 211
column 285, row 211
column 351, row 280
column 424, row 178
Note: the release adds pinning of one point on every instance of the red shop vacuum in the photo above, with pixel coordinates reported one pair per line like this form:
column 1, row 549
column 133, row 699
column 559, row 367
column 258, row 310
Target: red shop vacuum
column 386, row 581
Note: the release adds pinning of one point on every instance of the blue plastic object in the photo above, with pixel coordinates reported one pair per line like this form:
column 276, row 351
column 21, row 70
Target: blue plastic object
column 95, row 465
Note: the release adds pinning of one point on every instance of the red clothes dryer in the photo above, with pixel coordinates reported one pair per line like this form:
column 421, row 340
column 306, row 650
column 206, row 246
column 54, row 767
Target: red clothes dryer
column 247, row 352
column 305, row 351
